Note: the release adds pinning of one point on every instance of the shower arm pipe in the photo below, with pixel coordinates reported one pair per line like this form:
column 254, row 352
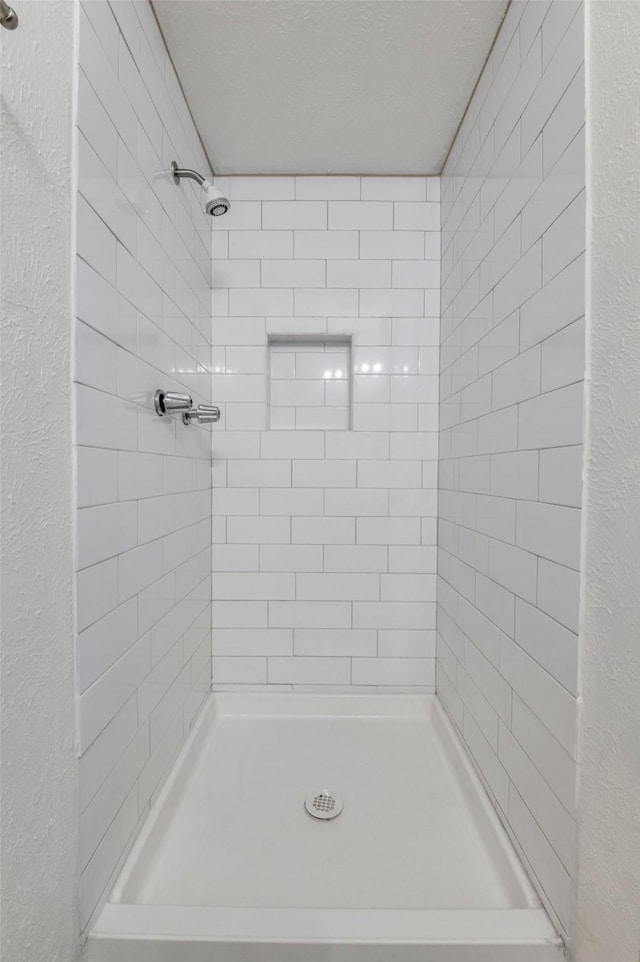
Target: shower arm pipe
column 8, row 16
column 179, row 172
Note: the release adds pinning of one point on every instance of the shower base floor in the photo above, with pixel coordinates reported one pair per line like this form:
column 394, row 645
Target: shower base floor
column 230, row 867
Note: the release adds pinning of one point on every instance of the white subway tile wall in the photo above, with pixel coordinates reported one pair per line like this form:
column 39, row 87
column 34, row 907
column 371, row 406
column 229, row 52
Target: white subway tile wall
column 513, row 239
column 144, row 500
column 324, row 558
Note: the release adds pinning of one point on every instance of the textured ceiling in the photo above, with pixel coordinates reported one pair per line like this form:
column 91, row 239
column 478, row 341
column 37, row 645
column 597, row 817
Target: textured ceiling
column 328, row 86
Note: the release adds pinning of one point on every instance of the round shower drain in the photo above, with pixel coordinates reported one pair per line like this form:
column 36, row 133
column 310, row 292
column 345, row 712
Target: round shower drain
column 323, row 804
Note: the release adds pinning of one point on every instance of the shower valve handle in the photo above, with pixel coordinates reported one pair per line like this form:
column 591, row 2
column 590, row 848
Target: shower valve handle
column 203, row 414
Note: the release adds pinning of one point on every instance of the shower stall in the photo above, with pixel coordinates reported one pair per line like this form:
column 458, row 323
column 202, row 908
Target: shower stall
column 394, row 510
column 329, row 524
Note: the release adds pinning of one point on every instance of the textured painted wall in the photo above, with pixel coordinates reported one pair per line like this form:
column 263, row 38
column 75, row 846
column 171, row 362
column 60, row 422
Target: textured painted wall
column 144, row 501
column 324, row 539
column 511, row 431
column 38, row 788
column 608, row 921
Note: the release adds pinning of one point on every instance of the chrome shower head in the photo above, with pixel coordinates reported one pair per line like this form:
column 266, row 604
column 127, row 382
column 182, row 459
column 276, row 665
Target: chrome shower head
column 215, row 201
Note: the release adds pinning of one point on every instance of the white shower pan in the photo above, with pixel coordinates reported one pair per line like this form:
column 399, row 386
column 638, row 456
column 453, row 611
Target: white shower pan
column 231, row 867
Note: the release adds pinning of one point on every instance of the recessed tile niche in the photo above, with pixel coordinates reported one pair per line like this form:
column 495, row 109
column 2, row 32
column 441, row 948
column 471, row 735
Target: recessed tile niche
column 309, row 382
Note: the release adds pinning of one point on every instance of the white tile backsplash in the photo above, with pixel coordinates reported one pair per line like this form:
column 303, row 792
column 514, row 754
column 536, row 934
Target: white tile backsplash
column 511, row 430
column 330, row 507
column 143, row 304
